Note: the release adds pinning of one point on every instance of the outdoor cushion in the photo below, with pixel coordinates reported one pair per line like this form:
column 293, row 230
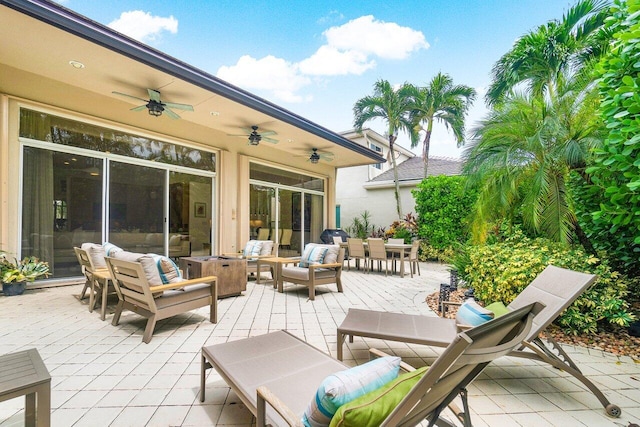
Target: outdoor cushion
column 497, row 308
column 159, row 270
column 110, row 249
column 313, row 254
column 302, row 273
column 471, row 313
column 267, row 247
column 96, row 253
column 372, row 408
column 253, row 248
column 344, row 386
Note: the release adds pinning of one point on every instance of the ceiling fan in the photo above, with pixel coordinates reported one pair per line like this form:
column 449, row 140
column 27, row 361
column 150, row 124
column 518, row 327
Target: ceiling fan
column 315, row 156
column 255, row 137
column 155, row 106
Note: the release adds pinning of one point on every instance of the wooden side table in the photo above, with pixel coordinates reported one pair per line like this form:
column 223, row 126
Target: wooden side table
column 23, row 374
column 276, row 263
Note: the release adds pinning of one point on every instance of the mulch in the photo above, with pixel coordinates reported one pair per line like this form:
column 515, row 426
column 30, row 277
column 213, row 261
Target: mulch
column 616, row 340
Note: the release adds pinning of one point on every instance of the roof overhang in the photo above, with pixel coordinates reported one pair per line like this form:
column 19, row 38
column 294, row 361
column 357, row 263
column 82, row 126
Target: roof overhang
column 41, row 38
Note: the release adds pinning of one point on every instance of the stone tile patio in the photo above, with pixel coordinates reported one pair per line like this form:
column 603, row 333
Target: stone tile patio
column 105, row 376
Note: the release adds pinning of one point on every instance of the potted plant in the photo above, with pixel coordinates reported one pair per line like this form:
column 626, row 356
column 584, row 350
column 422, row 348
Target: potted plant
column 15, row 274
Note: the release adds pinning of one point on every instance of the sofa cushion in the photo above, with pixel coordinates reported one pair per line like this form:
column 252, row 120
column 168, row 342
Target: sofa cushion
column 267, row 247
column 374, row 407
column 253, row 248
column 471, row 313
column 332, row 254
column 96, row 253
column 302, row 273
column 175, row 240
column 344, row 386
column 313, row 254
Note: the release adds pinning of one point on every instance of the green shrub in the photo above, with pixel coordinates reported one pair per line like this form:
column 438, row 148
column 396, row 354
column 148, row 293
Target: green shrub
column 500, row 271
column 443, row 204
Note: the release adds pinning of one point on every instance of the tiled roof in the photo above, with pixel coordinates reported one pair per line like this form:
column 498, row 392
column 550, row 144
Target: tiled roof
column 413, row 169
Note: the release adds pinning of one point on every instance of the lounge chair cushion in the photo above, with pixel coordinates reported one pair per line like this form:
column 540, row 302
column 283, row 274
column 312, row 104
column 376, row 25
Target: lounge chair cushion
column 344, row 386
column 372, row 408
column 110, row 249
column 253, row 248
column 302, row 273
column 498, row 308
column 313, row 254
column 96, row 253
column 159, row 270
column 471, row 313
column 267, row 247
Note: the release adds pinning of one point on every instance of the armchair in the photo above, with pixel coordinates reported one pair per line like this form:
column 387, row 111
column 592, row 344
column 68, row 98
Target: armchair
column 310, row 272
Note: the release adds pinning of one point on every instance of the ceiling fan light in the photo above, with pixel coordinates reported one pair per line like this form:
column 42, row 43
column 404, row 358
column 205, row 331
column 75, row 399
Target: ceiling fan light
column 254, row 139
column 155, row 109
column 314, row 158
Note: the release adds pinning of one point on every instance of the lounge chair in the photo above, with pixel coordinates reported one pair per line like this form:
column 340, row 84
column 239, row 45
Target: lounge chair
column 161, row 301
column 555, row 287
column 325, row 272
column 91, row 260
column 276, row 375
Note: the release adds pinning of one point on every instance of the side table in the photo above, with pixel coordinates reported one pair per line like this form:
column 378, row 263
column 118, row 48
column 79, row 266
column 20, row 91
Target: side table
column 276, row 263
column 24, row 374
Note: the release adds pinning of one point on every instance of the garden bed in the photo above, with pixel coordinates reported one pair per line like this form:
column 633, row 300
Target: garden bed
column 616, row 341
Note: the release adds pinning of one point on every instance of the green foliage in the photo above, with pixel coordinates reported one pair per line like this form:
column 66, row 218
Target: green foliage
column 406, row 229
column 361, row 227
column 27, row 269
column 617, row 163
column 442, row 205
column 500, row 271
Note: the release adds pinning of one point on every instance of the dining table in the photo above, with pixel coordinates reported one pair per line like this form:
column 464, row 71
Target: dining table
column 401, row 248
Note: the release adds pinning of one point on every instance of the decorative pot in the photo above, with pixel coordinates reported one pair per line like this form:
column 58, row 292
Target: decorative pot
column 13, row 288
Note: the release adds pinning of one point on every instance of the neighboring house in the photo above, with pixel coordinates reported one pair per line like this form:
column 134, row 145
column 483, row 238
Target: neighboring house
column 81, row 162
column 361, row 188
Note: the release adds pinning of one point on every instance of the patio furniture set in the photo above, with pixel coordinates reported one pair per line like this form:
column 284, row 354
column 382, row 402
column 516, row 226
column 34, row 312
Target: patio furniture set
column 376, row 249
column 274, row 374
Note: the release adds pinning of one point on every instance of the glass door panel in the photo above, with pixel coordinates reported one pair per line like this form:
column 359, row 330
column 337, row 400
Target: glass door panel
column 289, row 224
column 313, row 217
column 262, row 212
column 136, row 208
column 61, row 207
column 190, row 213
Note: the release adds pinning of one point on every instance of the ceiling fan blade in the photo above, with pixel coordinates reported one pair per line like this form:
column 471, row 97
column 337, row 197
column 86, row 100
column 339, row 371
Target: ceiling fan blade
column 246, row 135
column 154, row 95
column 128, row 96
column 140, row 108
column 185, row 107
column 171, row 114
column 326, row 157
column 268, row 133
column 271, row 140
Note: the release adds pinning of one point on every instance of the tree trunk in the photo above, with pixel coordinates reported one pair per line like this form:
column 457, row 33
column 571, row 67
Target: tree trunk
column 392, row 139
column 425, row 150
column 584, row 240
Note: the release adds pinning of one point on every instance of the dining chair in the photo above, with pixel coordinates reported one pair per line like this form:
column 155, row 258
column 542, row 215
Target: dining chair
column 378, row 252
column 394, row 253
column 357, row 252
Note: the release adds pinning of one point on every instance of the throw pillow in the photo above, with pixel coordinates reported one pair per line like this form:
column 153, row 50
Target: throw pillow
column 110, row 249
column 312, row 255
column 252, row 248
column 344, row 386
column 169, row 271
column 372, row 408
column 497, row 308
column 471, row 313
column 96, row 254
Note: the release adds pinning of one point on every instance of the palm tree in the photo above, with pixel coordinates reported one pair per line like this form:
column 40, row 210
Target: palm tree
column 554, row 54
column 392, row 106
column 440, row 101
column 521, row 157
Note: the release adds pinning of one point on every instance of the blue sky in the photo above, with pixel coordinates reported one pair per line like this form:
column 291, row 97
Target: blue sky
column 317, row 58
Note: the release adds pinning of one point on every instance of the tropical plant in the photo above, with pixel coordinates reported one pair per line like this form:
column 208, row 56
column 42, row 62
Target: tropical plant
column 406, row 228
column 554, row 55
column 392, row 106
column 27, row 269
column 443, row 206
column 500, row 271
column 443, row 102
column 361, row 227
column 521, row 157
column 616, row 172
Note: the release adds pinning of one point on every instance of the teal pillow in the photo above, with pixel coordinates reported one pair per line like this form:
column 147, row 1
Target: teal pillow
column 471, row 313
column 374, row 407
column 312, row 255
column 498, row 308
column 344, row 386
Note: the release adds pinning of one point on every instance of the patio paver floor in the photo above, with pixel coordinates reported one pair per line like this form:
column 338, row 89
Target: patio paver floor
column 105, row 376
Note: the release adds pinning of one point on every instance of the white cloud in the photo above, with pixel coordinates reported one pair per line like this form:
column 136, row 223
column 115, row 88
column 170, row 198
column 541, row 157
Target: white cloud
column 332, row 16
column 329, row 61
column 350, row 49
column 272, row 74
column 143, row 26
column 384, row 39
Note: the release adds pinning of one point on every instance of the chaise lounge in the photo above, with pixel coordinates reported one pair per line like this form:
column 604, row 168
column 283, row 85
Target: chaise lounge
column 555, row 287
